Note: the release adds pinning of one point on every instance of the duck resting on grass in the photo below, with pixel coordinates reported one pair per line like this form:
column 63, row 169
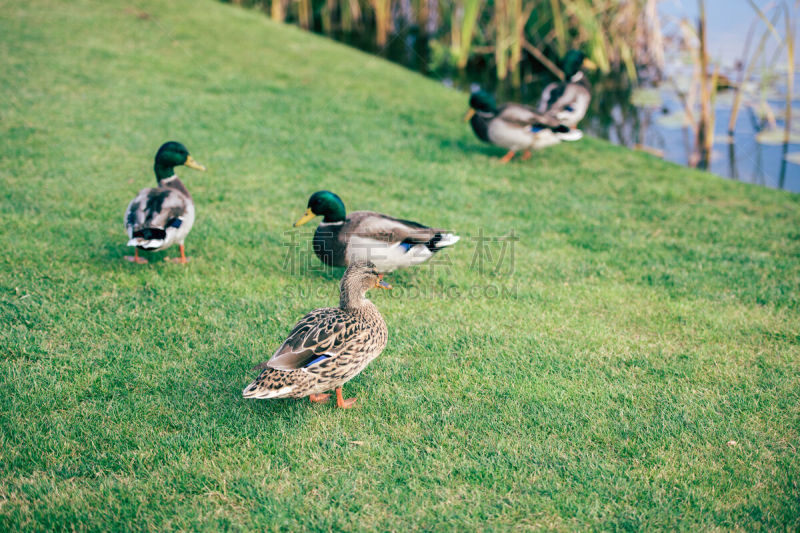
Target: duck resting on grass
column 568, row 101
column 162, row 216
column 388, row 242
column 514, row 127
column 329, row 346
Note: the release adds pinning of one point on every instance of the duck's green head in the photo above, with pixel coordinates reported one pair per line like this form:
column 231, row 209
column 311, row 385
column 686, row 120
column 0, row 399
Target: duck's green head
column 326, row 204
column 574, row 61
column 173, row 154
column 480, row 101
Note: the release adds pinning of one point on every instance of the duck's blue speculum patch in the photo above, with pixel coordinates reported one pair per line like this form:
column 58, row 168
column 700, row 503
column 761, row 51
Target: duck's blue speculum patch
column 316, row 360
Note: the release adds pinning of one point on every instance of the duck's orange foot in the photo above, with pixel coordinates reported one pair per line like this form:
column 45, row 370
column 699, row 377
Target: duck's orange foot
column 136, row 259
column 182, row 260
column 506, row 158
column 319, row 398
column 526, row 155
column 341, row 402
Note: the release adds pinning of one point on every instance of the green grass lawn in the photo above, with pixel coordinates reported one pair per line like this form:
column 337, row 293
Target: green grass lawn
column 648, row 315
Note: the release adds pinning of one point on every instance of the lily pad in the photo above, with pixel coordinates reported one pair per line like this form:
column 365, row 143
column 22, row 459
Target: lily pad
column 673, row 120
column 793, row 157
column 648, row 97
column 775, row 137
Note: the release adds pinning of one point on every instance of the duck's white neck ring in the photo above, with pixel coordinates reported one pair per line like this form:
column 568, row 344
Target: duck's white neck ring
column 167, row 180
column 339, row 223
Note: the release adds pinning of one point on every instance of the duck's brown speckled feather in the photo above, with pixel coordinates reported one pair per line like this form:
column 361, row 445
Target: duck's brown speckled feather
column 349, row 338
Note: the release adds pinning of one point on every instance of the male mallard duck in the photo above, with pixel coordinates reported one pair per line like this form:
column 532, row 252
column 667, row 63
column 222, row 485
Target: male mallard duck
column 388, row 242
column 162, row 216
column 329, row 346
column 568, row 101
column 513, row 126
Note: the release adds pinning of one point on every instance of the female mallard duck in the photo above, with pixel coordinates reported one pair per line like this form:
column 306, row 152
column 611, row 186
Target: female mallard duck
column 329, row 346
column 513, row 126
column 388, row 242
column 568, row 101
column 162, row 216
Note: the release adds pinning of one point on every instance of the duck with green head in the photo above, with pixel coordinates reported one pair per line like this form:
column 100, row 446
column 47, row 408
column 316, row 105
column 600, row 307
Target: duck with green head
column 512, row 126
column 388, row 242
column 568, row 101
column 162, row 216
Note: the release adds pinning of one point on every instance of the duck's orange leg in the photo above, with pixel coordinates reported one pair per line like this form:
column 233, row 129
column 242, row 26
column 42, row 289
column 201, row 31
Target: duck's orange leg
column 526, row 155
column 181, row 260
column 319, row 398
column 341, row 402
column 135, row 258
column 506, row 158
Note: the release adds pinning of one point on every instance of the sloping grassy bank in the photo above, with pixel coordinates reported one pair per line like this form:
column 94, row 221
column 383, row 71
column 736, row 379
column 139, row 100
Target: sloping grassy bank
column 633, row 362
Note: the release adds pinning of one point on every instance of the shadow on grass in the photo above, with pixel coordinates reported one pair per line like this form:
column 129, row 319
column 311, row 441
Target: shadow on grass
column 114, row 252
column 476, row 148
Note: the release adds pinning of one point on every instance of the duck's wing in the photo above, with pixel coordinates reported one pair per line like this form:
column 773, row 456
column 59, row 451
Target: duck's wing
column 570, row 104
column 550, row 95
column 524, row 116
column 153, row 212
column 388, row 229
column 317, row 336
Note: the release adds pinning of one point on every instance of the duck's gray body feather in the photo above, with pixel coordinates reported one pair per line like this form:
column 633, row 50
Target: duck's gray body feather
column 567, row 103
column 515, row 127
column 161, row 216
column 388, row 242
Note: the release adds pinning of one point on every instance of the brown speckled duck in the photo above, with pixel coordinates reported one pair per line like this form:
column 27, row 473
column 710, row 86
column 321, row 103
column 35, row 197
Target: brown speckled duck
column 329, row 346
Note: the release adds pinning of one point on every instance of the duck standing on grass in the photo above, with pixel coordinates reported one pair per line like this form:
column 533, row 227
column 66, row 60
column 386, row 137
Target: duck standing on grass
column 388, row 242
column 329, row 346
column 162, row 216
column 514, row 127
column 568, row 101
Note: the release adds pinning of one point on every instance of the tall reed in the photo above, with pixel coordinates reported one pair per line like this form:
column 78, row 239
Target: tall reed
column 787, row 120
column 617, row 35
column 464, row 28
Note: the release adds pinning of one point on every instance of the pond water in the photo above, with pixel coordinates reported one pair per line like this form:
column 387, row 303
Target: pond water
column 659, row 127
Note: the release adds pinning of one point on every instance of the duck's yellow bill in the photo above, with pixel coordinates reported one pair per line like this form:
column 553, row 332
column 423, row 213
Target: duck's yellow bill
column 305, row 218
column 380, row 284
column 588, row 63
column 469, row 114
column 191, row 163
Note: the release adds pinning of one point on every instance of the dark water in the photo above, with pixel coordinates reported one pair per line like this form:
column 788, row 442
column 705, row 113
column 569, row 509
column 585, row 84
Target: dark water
column 614, row 115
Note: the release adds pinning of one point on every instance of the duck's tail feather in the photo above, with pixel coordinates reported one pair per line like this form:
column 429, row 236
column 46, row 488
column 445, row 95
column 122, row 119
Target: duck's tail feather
column 144, row 244
column 148, row 238
column 260, row 392
column 442, row 240
column 264, row 388
column 570, row 135
column 151, row 233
